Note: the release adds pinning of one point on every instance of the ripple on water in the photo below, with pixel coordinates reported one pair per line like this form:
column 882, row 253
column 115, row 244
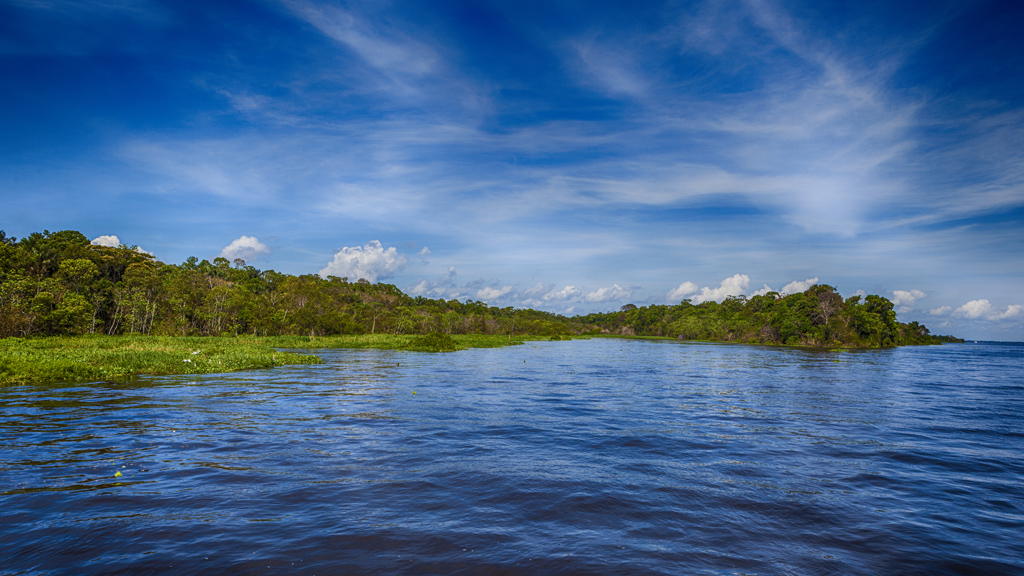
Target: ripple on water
column 601, row 456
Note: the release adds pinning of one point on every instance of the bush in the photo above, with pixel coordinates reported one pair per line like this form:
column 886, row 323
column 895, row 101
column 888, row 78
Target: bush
column 435, row 342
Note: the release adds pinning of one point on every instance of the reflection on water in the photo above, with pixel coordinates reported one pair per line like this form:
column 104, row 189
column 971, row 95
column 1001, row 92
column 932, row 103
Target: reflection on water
column 599, row 456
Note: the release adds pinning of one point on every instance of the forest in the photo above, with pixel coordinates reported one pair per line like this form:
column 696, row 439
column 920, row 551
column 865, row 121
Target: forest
column 58, row 283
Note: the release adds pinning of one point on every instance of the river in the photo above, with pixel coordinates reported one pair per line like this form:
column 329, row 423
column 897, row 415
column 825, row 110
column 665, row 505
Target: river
column 583, row 457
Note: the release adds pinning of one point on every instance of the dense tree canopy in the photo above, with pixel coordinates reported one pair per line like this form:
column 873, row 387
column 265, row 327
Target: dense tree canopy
column 58, row 283
column 55, row 283
column 818, row 317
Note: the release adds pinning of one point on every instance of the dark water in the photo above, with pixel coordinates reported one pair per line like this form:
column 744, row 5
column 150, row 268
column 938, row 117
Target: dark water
column 585, row 457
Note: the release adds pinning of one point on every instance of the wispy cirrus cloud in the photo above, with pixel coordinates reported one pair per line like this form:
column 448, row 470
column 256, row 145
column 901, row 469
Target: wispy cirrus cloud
column 387, row 49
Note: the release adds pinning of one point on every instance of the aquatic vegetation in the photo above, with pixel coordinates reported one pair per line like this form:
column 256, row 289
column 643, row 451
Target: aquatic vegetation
column 435, row 342
column 94, row 358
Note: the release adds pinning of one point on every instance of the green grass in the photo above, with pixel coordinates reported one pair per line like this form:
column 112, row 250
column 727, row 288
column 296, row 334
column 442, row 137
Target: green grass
column 429, row 343
column 93, row 358
column 117, row 358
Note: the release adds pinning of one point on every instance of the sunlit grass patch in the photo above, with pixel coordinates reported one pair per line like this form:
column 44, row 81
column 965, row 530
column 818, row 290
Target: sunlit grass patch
column 399, row 341
column 94, row 358
column 99, row 358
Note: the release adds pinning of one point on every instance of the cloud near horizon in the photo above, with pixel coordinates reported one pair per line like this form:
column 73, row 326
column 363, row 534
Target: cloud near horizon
column 247, row 248
column 489, row 293
column 683, row 290
column 111, row 241
column 371, row 262
column 904, row 299
column 614, row 292
column 798, row 286
column 735, row 285
column 982, row 308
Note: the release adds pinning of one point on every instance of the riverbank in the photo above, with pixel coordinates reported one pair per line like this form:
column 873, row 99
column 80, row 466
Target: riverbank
column 94, row 358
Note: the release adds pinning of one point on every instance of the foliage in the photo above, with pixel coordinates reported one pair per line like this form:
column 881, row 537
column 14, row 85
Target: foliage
column 92, row 358
column 434, row 342
column 57, row 284
column 817, row 317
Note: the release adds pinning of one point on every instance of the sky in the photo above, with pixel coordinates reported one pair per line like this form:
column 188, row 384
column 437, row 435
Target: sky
column 570, row 156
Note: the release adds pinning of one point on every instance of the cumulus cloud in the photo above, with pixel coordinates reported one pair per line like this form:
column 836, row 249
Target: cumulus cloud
column 735, row 285
column 435, row 289
column 566, row 293
column 983, row 309
column 424, row 251
column 541, row 293
column 907, row 297
column 615, row 292
column 492, row 293
column 941, row 310
column 245, row 247
column 975, row 308
column 110, row 241
column 1012, row 311
column 798, row 286
column 538, row 289
column 371, row 262
column 683, row 290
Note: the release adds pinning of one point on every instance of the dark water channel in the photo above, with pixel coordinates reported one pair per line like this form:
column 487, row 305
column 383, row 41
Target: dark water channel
column 584, row 457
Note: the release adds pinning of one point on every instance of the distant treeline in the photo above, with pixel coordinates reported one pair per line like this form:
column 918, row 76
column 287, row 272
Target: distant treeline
column 818, row 317
column 57, row 283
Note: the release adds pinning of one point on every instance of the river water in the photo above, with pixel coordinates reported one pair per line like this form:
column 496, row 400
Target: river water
column 583, row 457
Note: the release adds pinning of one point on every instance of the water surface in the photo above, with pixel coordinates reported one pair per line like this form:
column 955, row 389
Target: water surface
column 582, row 457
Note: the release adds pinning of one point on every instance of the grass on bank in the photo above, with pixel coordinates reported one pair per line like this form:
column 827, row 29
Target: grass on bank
column 428, row 343
column 96, row 358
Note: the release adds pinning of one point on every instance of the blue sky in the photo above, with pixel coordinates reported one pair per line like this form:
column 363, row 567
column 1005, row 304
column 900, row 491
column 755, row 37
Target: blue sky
column 569, row 156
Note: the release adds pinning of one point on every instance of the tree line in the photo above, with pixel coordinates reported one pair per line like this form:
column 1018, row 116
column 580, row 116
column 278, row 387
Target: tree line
column 817, row 317
column 58, row 283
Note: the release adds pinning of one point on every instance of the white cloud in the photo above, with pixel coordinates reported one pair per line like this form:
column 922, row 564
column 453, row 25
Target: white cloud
column 538, row 289
column 610, row 68
column 371, row 262
column 798, row 286
column 615, row 292
column 684, row 289
column 245, row 247
column 110, row 241
column 566, row 293
column 387, row 50
column 907, row 297
column 541, row 293
column 975, row 308
column 436, row 289
column 1012, row 311
column 424, row 251
column 941, row 310
column 983, row 309
column 764, row 290
column 734, row 285
column 492, row 293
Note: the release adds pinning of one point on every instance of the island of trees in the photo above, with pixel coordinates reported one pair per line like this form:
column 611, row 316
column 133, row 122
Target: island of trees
column 58, row 283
